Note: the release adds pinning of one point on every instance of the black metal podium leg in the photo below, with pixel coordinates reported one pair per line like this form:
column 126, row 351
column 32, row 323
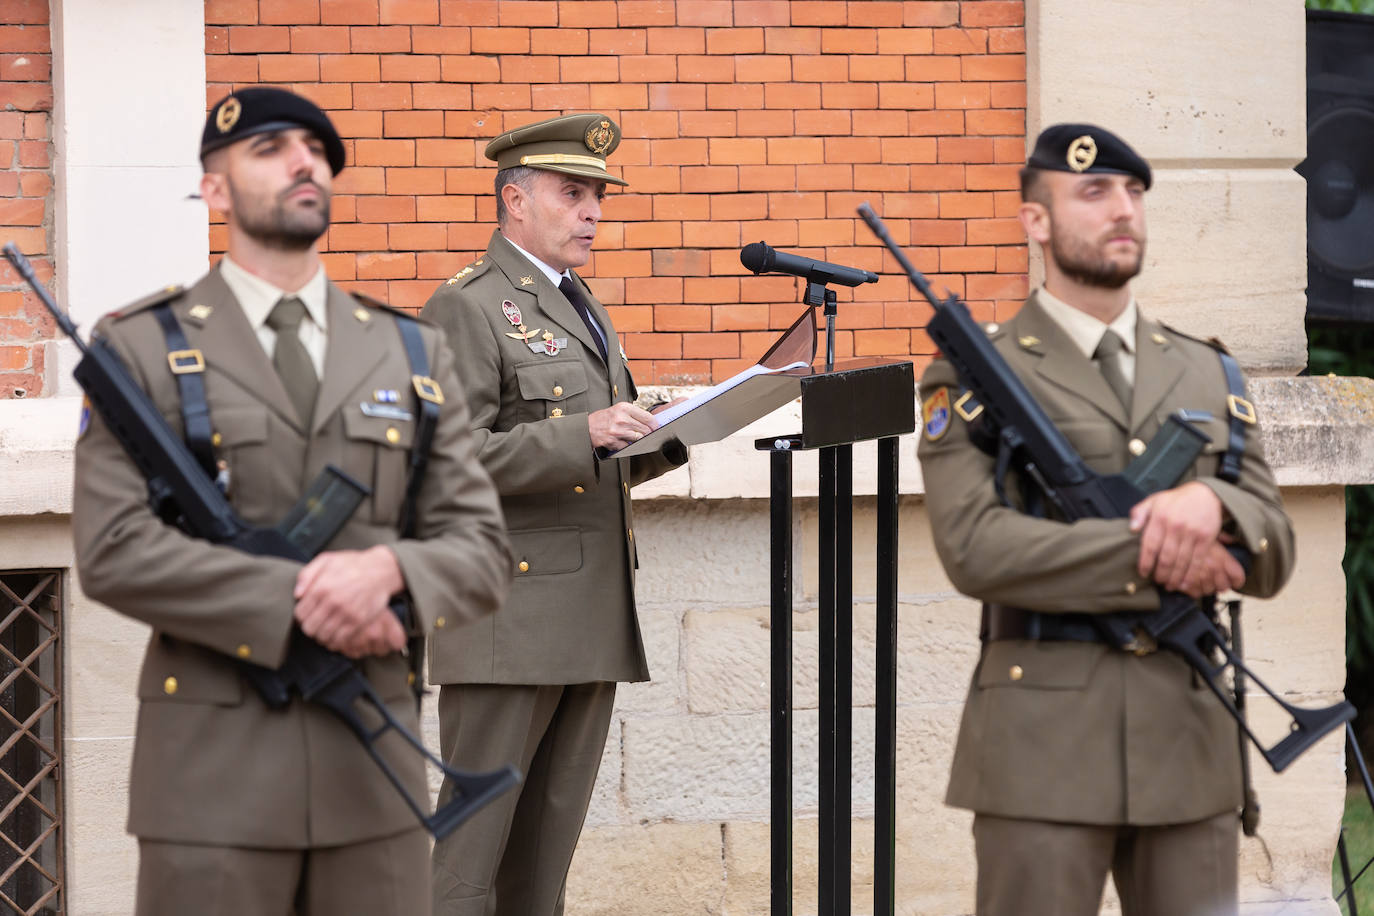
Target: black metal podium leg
column 836, row 677
column 885, row 701
column 780, row 689
column 844, row 674
column 826, row 854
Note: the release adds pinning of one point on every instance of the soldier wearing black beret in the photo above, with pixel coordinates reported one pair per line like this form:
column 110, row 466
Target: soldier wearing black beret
column 241, row 809
column 1079, row 759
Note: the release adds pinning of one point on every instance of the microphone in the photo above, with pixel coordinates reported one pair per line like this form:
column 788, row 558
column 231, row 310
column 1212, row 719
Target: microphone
column 760, row 258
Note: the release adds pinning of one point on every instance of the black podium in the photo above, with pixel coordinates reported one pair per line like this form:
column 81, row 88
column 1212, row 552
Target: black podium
column 857, row 401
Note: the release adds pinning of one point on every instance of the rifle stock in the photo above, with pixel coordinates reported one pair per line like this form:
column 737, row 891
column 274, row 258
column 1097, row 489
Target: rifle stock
column 180, row 493
column 1041, row 450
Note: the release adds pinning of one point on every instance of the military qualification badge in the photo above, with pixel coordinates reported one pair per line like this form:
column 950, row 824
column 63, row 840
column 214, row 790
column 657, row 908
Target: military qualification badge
column 512, row 313
column 935, row 414
column 549, row 346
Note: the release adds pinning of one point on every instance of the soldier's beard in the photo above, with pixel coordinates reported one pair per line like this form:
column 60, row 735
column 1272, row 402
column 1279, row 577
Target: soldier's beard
column 282, row 224
column 1082, row 262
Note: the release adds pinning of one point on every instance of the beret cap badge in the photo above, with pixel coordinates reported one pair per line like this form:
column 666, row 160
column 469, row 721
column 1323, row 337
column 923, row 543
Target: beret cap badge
column 228, row 114
column 599, row 137
column 1082, row 153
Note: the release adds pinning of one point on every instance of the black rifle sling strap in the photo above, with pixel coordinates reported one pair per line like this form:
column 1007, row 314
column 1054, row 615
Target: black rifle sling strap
column 188, row 366
column 428, row 398
column 1241, row 414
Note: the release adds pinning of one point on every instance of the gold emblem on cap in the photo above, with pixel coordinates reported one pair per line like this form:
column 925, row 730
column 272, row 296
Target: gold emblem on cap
column 1082, row 153
column 228, row 114
column 599, row 137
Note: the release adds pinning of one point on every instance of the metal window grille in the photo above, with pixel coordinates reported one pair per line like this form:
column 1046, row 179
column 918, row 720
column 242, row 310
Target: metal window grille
column 31, row 866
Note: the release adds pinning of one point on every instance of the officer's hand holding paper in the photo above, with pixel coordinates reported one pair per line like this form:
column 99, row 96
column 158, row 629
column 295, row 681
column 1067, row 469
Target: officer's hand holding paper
column 741, row 399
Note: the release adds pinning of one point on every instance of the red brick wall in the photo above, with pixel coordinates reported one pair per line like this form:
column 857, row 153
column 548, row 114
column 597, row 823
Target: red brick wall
column 743, row 120
column 25, row 190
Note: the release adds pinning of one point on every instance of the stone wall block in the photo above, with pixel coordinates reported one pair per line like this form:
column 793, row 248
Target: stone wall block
column 919, row 573
column 662, row 631
column 694, row 552
column 1317, row 431
column 36, row 439
column 663, row 869
column 1165, row 88
column 607, row 804
column 728, row 666
column 102, row 860
column 104, row 654
column 1202, row 225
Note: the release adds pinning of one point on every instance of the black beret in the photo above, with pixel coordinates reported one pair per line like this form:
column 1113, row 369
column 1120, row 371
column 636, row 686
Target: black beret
column 1087, row 148
column 266, row 108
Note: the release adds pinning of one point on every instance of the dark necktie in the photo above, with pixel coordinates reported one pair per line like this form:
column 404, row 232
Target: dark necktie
column 569, row 289
column 290, row 357
column 1108, row 356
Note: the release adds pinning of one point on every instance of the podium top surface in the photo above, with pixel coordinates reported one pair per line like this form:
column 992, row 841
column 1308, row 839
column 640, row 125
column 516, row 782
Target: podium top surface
column 858, row 399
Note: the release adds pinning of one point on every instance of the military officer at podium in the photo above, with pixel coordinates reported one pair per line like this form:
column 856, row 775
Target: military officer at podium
column 241, row 809
column 549, row 390
column 1079, row 759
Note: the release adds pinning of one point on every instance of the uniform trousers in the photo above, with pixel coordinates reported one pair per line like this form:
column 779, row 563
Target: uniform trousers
column 512, row 858
column 372, row 878
column 1039, row 868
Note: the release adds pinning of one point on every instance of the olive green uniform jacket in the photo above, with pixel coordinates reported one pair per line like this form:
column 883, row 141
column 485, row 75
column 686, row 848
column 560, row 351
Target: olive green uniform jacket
column 1070, row 731
column 570, row 617
column 212, row 764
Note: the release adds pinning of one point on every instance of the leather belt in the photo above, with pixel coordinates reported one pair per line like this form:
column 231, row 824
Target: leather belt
column 1002, row 622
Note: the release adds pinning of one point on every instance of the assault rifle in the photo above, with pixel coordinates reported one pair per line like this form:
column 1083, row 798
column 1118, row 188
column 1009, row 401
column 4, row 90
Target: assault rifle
column 181, row 493
column 1045, row 455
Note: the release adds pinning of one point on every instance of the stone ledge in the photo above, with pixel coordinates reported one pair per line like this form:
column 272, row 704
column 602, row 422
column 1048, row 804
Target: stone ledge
column 1318, row 432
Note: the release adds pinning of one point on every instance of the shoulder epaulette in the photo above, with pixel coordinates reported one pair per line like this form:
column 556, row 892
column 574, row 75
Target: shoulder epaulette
column 466, row 275
column 1213, row 342
column 166, row 294
column 364, row 299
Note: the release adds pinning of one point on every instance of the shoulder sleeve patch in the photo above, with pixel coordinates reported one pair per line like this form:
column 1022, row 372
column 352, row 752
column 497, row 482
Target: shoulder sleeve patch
column 166, row 294
column 935, row 414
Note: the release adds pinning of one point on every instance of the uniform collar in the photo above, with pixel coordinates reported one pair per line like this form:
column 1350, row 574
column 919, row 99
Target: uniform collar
column 257, row 297
column 1083, row 329
column 554, row 276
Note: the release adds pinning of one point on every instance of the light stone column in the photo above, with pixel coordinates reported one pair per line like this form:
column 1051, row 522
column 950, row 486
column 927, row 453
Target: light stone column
column 129, row 91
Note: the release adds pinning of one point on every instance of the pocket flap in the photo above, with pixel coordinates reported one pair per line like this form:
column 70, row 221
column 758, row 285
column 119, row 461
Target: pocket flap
column 551, row 380
column 546, row 551
column 1028, row 665
column 240, row 425
column 379, row 430
column 179, row 672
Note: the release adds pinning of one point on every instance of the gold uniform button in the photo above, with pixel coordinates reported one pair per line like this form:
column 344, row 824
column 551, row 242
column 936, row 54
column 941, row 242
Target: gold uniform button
column 1263, row 544
column 615, row 391
column 244, row 651
column 1016, row 673
column 631, row 533
column 1136, row 447
column 216, row 440
column 556, row 412
column 558, row 391
column 410, row 678
column 579, row 489
column 169, row 686
column 1157, row 338
column 626, row 487
column 1130, row 588
column 524, row 565
column 439, row 623
column 393, row 435
column 991, row 328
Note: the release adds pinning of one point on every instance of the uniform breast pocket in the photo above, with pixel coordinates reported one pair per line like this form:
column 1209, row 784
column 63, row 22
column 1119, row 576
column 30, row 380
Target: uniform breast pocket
column 552, row 388
column 241, row 443
column 377, row 452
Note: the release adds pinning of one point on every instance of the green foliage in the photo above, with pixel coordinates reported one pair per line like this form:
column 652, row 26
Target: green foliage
column 1358, row 828
column 1343, row 6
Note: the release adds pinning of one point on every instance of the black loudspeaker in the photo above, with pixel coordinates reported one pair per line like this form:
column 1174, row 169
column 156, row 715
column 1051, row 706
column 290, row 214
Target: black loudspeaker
column 1339, row 167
